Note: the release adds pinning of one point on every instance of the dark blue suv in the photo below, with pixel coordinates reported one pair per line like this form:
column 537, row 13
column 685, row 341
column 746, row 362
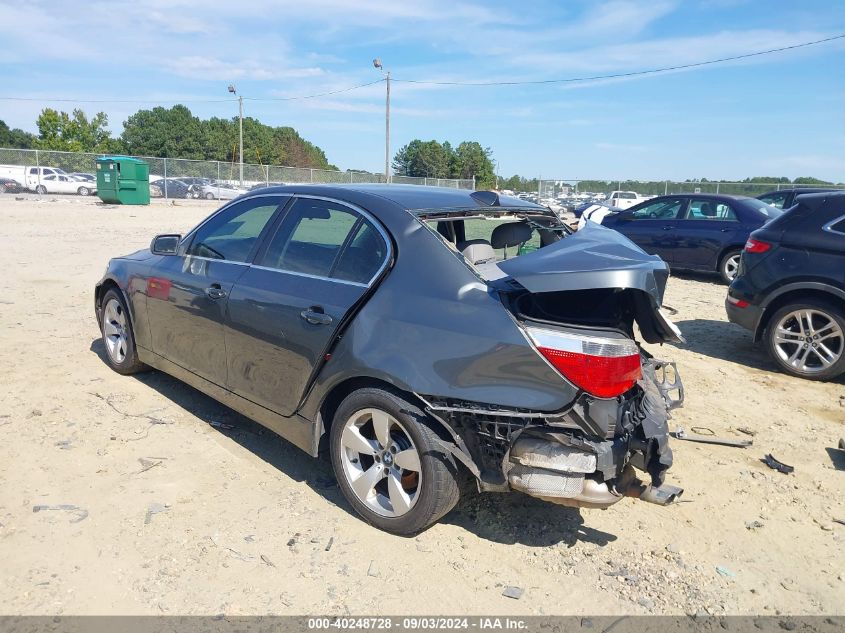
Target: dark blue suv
column 790, row 288
column 702, row 232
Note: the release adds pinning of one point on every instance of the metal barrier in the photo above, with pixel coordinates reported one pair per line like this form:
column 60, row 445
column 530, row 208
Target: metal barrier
column 216, row 171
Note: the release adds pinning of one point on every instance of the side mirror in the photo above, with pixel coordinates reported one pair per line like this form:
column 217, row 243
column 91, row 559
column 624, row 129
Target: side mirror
column 166, row 244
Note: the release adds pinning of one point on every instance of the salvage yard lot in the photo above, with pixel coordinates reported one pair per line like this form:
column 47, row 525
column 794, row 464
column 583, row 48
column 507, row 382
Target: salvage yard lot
column 140, row 495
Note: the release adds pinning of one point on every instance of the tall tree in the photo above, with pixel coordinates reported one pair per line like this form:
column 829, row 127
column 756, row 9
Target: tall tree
column 164, row 132
column 473, row 161
column 73, row 132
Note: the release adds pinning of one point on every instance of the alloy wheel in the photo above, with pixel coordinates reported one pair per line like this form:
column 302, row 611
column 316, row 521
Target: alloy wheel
column 809, row 340
column 380, row 462
column 115, row 335
column 732, row 266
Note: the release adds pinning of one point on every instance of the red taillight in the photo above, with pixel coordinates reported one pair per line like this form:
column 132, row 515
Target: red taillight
column 739, row 303
column 603, row 367
column 756, row 246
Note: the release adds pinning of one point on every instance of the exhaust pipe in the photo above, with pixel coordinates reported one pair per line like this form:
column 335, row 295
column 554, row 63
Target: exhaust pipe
column 661, row 495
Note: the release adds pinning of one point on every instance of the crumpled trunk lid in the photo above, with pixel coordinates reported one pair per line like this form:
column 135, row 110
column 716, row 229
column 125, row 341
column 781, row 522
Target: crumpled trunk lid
column 597, row 258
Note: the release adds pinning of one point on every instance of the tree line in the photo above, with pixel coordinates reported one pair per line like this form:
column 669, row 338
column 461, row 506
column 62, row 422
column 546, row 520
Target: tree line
column 168, row 133
column 432, row 159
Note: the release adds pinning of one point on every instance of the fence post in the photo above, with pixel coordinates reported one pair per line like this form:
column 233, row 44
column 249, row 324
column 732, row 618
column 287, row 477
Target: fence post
column 665, row 187
column 717, row 187
column 350, row 177
column 218, row 179
column 37, row 171
column 311, row 176
column 473, row 182
column 165, row 178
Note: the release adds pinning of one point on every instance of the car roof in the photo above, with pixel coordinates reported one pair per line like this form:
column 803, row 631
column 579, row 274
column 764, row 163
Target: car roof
column 414, row 197
column 817, row 199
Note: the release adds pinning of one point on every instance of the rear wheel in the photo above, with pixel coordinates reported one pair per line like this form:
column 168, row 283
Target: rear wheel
column 388, row 462
column 118, row 338
column 209, row 196
column 41, row 189
column 729, row 265
column 807, row 340
column 83, row 191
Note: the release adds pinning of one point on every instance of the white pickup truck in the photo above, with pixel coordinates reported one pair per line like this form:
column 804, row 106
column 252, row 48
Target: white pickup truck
column 623, row 199
column 30, row 176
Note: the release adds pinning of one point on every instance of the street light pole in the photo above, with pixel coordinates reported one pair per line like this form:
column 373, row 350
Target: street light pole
column 241, row 130
column 377, row 65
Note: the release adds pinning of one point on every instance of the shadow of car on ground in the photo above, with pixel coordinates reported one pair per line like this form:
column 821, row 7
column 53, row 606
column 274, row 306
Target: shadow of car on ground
column 502, row 518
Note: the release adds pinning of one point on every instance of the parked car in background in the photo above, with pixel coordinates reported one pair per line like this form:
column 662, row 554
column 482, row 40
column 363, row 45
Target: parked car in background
column 622, row 199
column 65, row 183
column 306, row 308
column 29, row 176
column 790, row 289
column 220, row 191
column 84, row 176
column 703, row 232
column 785, row 198
column 10, row 185
column 262, row 185
column 170, row 188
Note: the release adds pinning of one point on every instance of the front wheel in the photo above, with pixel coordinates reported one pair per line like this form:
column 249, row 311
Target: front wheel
column 118, row 338
column 389, row 464
column 41, row 190
column 807, row 340
column 209, row 196
column 729, row 265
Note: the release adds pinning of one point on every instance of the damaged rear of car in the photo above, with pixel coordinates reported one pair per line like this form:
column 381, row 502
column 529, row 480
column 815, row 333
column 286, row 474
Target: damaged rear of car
column 522, row 345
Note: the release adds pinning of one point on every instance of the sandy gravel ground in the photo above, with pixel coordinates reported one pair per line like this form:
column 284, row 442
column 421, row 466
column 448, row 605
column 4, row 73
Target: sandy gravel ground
column 174, row 504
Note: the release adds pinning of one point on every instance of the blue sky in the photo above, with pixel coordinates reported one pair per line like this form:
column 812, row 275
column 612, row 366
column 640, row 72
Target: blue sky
column 776, row 115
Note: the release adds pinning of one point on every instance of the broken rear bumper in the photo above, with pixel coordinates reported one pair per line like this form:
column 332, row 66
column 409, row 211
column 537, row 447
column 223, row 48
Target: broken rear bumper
column 587, row 456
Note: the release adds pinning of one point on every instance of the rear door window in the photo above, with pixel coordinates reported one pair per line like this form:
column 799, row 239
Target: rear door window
column 325, row 239
column 714, row 210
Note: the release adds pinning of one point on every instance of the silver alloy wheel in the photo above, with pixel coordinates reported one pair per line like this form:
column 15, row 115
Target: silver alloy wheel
column 83, row 191
column 115, row 335
column 809, row 340
column 731, row 266
column 380, row 462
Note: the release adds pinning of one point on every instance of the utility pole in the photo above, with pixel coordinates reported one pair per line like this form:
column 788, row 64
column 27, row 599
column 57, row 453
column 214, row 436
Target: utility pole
column 241, row 129
column 377, row 65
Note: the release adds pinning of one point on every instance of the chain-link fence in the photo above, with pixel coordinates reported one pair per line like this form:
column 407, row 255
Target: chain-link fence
column 224, row 173
column 581, row 188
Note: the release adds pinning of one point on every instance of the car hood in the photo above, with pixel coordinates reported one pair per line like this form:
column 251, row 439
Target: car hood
column 598, row 257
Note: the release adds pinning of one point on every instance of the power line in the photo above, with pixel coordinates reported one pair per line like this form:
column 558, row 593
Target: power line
column 136, row 101
column 314, row 96
column 636, row 73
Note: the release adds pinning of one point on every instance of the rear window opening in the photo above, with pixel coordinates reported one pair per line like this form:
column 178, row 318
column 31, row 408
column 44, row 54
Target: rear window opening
column 484, row 240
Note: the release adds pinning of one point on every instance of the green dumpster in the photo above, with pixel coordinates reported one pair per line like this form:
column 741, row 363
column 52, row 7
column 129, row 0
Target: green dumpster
column 123, row 180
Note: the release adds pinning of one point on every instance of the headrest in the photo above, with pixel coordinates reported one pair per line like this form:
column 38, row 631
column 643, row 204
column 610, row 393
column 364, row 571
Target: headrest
column 477, row 251
column 510, row 234
column 708, row 210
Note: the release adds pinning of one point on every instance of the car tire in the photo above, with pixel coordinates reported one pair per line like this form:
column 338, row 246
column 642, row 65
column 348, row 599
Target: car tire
column 83, row 191
column 389, row 464
column 118, row 337
column 786, row 335
column 209, row 196
column 3, row 189
column 41, row 190
column 728, row 265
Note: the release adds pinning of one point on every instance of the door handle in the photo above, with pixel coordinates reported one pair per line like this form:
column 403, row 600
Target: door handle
column 667, row 228
column 315, row 316
column 724, row 230
column 215, row 291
